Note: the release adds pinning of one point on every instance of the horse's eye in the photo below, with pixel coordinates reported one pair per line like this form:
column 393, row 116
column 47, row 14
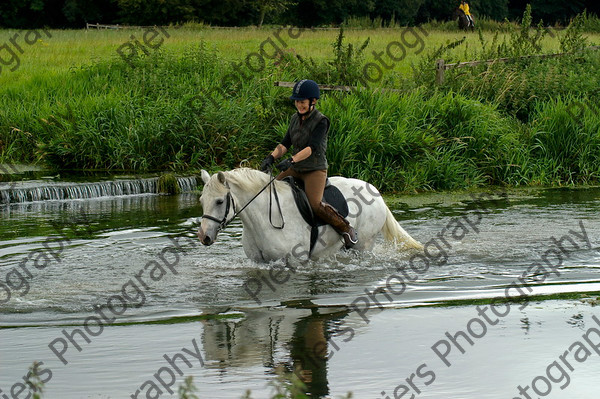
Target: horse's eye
column 220, row 202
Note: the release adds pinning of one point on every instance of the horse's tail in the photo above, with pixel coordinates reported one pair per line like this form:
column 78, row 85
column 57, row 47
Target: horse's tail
column 392, row 231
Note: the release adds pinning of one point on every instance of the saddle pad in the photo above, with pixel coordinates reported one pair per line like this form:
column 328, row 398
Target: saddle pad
column 332, row 195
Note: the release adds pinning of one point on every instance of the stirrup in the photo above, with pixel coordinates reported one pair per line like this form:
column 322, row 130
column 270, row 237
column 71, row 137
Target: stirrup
column 350, row 238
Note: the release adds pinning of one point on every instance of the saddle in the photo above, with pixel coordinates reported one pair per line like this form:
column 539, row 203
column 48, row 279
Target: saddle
column 331, row 195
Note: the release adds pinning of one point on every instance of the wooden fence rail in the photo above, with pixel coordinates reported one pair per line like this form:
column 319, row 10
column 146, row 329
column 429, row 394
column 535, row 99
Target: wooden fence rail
column 322, row 87
column 101, row 26
column 441, row 66
column 333, row 87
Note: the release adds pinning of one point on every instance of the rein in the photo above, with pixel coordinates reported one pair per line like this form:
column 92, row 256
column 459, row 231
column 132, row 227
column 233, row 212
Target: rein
column 231, row 203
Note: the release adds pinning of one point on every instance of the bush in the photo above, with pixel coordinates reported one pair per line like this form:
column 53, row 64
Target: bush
column 404, row 142
column 494, row 124
column 168, row 112
column 344, row 68
column 517, row 86
column 566, row 138
column 591, row 23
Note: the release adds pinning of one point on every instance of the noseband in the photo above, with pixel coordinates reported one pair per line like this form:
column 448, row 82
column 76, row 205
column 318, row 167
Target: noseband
column 224, row 222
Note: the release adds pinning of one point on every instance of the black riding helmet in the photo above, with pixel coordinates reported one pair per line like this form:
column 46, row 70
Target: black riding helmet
column 305, row 89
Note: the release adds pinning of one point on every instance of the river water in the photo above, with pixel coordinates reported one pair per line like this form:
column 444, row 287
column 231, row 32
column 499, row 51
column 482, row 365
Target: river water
column 379, row 324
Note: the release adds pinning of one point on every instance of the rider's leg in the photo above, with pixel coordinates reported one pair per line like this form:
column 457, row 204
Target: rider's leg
column 314, row 183
column 288, row 172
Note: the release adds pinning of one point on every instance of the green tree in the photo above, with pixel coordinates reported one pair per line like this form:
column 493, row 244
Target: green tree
column 494, row 9
column 593, row 6
column 159, row 12
column 22, row 13
column 270, row 6
column 225, row 12
column 440, row 10
column 327, row 12
column 79, row 12
column 552, row 11
column 402, row 11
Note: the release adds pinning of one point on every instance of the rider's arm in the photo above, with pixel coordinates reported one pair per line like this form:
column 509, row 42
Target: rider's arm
column 302, row 155
column 282, row 147
column 279, row 151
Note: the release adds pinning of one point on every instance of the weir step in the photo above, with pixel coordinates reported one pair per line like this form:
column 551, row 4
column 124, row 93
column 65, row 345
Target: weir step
column 31, row 191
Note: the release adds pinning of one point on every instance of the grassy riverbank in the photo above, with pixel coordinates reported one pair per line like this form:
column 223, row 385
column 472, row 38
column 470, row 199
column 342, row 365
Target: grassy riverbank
column 73, row 103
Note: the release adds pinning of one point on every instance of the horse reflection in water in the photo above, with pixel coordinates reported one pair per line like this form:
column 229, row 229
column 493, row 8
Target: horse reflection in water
column 300, row 341
column 226, row 192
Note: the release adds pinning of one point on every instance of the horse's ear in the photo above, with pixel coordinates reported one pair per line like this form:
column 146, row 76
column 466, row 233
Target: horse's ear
column 205, row 176
column 221, row 177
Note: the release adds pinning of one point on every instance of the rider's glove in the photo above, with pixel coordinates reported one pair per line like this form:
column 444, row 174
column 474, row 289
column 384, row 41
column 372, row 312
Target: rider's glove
column 285, row 164
column 267, row 163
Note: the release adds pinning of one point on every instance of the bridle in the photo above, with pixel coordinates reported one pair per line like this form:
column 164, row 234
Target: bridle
column 230, row 203
column 224, row 222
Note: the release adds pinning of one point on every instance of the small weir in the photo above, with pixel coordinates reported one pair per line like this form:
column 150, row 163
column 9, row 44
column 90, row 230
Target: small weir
column 30, row 191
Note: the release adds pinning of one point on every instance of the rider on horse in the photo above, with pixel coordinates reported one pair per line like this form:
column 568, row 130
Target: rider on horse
column 465, row 8
column 307, row 133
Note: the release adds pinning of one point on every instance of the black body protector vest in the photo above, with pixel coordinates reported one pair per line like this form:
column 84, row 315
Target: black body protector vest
column 301, row 133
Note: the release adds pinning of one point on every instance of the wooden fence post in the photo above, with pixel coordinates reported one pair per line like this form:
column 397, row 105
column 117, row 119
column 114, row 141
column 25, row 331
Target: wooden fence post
column 440, row 70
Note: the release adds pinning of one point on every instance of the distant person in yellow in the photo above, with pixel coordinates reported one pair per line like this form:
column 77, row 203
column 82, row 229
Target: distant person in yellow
column 465, row 7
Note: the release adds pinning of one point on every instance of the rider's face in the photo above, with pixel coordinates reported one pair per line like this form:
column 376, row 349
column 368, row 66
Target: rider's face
column 302, row 106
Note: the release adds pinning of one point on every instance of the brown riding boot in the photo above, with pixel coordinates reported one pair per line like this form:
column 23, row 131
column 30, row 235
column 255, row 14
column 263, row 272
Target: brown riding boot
column 330, row 215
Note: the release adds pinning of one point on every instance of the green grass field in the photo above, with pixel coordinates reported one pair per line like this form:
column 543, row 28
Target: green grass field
column 68, row 49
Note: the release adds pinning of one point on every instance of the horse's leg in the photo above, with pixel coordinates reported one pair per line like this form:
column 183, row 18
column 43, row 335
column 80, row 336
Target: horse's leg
column 251, row 250
column 328, row 243
column 365, row 244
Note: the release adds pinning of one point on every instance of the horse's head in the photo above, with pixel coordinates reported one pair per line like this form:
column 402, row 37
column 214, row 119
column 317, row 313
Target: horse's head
column 217, row 205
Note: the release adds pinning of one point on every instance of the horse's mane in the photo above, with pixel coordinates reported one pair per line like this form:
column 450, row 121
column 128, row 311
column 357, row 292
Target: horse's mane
column 251, row 180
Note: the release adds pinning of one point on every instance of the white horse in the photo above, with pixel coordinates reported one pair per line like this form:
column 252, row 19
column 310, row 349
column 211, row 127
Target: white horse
column 225, row 193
